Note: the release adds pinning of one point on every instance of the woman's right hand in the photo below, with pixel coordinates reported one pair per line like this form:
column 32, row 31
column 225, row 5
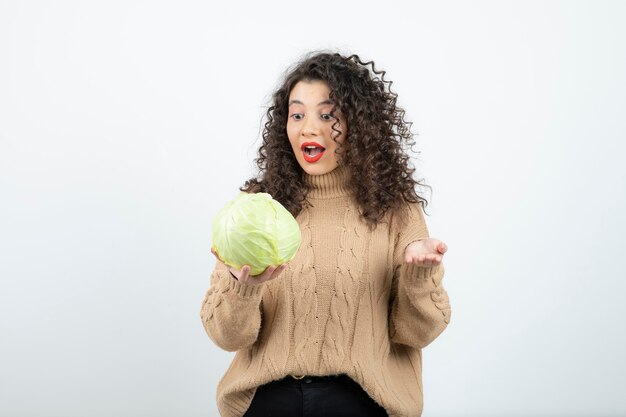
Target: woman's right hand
column 243, row 275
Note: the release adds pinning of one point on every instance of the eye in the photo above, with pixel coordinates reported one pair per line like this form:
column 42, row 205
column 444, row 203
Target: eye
column 327, row 116
column 297, row 116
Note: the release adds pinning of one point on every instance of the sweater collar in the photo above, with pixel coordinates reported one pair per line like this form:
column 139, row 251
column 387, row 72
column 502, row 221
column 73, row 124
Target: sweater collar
column 330, row 185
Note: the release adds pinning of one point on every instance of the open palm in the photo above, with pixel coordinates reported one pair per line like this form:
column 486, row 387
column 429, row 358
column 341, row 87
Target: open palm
column 425, row 252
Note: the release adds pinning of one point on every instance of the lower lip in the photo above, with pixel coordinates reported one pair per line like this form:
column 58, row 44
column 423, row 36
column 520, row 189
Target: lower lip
column 315, row 158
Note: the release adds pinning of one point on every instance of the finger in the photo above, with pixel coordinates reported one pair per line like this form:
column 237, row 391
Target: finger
column 245, row 273
column 433, row 260
column 266, row 275
column 269, row 271
column 279, row 270
column 442, row 248
column 263, row 275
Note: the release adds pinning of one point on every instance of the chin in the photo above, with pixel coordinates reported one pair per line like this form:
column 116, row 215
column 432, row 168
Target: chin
column 318, row 170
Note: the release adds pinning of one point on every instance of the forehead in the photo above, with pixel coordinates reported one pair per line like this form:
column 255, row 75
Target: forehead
column 309, row 92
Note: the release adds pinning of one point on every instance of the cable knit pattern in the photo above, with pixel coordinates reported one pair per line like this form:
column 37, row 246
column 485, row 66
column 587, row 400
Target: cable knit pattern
column 345, row 294
column 347, row 304
column 304, row 301
column 273, row 310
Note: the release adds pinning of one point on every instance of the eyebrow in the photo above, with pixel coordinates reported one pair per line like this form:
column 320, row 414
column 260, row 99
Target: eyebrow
column 321, row 103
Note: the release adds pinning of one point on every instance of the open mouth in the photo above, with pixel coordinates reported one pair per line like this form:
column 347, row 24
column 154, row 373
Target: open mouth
column 312, row 151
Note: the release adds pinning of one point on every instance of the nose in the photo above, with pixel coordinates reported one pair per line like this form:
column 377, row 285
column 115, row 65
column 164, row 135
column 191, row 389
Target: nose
column 310, row 127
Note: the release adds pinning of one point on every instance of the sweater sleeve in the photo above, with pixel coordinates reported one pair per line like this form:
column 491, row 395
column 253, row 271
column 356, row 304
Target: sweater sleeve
column 419, row 305
column 231, row 310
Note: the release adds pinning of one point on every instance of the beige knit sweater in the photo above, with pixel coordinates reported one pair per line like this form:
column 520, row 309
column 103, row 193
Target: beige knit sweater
column 347, row 303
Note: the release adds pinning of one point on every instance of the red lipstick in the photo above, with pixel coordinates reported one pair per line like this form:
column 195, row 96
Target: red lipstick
column 312, row 151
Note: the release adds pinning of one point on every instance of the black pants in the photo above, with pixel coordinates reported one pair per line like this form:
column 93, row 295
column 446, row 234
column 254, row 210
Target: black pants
column 332, row 396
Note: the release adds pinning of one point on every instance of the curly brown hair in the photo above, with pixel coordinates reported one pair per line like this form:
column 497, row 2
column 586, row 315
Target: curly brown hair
column 381, row 177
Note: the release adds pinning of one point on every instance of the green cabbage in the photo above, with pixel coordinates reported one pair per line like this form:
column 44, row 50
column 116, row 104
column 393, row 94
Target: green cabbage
column 255, row 230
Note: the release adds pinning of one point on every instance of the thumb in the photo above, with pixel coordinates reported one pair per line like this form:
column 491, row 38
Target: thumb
column 442, row 248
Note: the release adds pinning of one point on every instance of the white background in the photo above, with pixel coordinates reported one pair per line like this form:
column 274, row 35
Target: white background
column 126, row 125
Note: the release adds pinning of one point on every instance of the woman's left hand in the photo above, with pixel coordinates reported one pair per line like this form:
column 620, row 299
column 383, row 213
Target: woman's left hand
column 425, row 252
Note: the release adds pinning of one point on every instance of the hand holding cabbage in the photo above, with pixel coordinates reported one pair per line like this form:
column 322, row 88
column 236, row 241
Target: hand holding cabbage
column 252, row 234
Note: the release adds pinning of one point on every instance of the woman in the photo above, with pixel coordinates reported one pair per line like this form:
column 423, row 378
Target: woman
column 338, row 331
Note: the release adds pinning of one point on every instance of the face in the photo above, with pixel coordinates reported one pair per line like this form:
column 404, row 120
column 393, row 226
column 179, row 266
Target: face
column 309, row 127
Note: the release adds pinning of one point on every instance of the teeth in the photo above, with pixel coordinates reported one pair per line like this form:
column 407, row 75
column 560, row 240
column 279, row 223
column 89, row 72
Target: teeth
column 310, row 149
